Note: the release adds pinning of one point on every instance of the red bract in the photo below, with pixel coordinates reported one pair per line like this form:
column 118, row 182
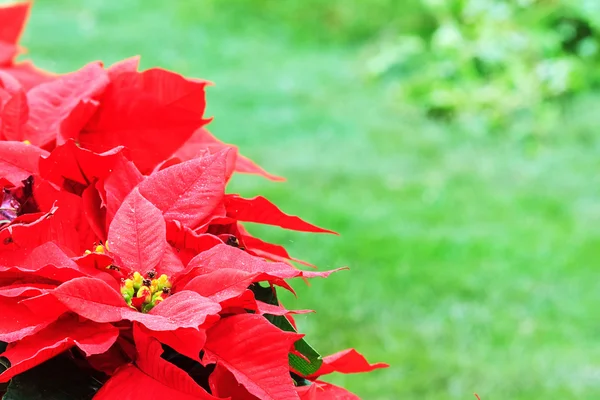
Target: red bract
column 12, row 22
column 121, row 252
column 202, row 140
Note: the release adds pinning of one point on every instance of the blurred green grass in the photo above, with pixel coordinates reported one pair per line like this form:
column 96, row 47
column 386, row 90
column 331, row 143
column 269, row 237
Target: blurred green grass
column 473, row 259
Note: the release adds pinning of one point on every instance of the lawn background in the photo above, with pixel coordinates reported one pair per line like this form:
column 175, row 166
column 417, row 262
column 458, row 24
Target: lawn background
column 473, row 258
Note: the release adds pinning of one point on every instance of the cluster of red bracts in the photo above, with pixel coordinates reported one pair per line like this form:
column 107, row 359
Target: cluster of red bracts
column 117, row 239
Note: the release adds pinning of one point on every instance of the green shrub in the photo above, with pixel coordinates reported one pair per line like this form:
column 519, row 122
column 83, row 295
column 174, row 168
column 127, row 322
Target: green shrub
column 493, row 63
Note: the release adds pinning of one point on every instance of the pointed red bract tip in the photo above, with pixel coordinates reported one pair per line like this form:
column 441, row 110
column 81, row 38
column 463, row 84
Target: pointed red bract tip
column 12, row 21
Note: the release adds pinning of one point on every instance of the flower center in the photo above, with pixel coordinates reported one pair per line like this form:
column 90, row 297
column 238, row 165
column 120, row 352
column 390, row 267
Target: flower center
column 99, row 249
column 143, row 293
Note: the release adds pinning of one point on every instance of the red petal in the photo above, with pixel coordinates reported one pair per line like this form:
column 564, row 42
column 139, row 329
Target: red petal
column 90, row 337
column 186, row 341
column 51, row 103
column 347, row 362
column 149, row 361
column 109, row 361
column 94, row 213
column 71, row 162
column 25, row 289
column 47, row 255
column 47, row 196
column 137, row 234
column 18, row 321
column 183, row 309
column 271, row 309
column 9, row 83
column 221, row 284
column 203, row 140
column 19, row 160
column 170, row 264
column 28, row 75
column 49, row 227
column 181, row 237
column 71, row 125
column 12, row 21
column 97, row 301
column 262, row 211
column 188, row 192
column 255, row 352
column 152, row 113
column 120, row 386
column 92, row 299
column 223, row 384
column 247, row 166
column 325, row 391
column 48, row 274
column 269, row 251
column 197, row 146
column 15, row 115
column 247, row 301
column 224, row 256
column 128, row 65
column 153, row 379
column 119, row 184
column 7, row 53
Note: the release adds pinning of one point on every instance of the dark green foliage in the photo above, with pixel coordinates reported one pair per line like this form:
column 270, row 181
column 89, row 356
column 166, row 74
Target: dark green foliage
column 57, row 379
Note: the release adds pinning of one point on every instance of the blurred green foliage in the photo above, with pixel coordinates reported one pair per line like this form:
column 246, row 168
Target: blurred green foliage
column 491, row 65
column 338, row 21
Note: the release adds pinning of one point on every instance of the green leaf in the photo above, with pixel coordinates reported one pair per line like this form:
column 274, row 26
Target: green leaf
column 56, row 379
column 313, row 360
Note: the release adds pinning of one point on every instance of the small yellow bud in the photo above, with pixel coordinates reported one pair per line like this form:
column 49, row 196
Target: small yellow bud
column 87, row 252
column 163, row 281
column 145, row 293
column 99, row 249
column 157, row 300
column 106, row 246
column 26, row 142
column 138, row 280
column 154, row 286
column 127, row 290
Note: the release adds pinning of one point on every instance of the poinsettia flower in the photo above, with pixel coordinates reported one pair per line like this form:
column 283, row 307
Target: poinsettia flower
column 94, row 293
column 137, row 243
column 175, row 309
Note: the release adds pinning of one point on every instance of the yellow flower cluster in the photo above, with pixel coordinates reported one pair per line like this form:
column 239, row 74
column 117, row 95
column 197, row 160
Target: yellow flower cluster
column 144, row 293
